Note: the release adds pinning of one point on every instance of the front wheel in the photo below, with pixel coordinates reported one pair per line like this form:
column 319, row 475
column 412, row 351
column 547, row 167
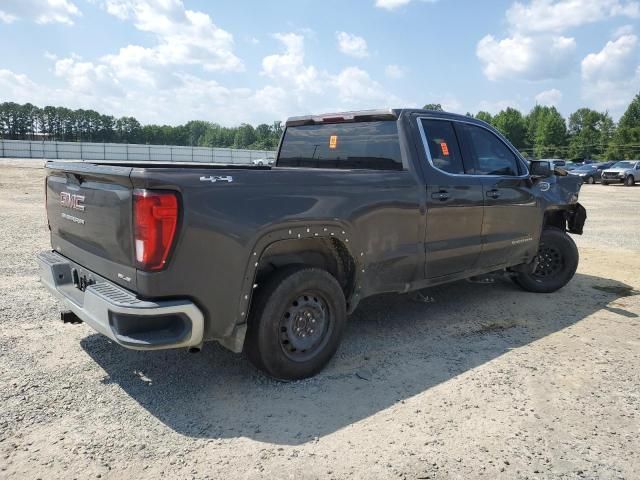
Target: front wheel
column 629, row 181
column 557, row 262
column 591, row 180
column 297, row 321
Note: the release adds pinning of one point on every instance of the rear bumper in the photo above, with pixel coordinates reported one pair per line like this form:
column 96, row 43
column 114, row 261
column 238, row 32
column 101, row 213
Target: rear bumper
column 120, row 315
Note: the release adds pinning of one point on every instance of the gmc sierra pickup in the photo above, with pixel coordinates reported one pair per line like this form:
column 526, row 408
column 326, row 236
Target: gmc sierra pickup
column 272, row 259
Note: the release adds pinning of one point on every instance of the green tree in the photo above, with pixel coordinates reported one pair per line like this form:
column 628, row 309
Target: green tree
column 433, row 106
column 625, row 143
column 511, row 124
column 245, row 136
column 484, row 116
column 589, row 133
column 195, row 130
column 546, row 132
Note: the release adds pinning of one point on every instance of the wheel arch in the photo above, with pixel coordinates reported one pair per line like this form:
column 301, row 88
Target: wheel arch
column 327, row 245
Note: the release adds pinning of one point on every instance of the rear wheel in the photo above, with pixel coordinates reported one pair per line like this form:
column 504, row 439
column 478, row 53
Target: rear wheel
column 296, row 323
column 557, row 262
column 591, row 180
column 629, row 181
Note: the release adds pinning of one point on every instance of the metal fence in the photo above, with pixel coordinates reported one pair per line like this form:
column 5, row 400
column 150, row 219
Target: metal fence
column 129, row 152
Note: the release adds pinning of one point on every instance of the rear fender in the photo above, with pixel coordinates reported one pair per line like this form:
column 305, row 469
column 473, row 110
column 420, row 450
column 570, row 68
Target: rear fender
column 314, row 230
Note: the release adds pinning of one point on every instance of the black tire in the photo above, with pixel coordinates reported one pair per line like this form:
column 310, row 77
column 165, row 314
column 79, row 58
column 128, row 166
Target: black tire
column 557, row 263
column 629, row 181
column 296, row 323
column 590, row 180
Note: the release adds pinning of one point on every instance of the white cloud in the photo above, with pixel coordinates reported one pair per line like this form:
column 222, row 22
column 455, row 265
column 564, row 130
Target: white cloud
column 86, row 77
column 611, row 76
column 184, row 37
column 309, row 89
column 623, row 30
column 356, row 87
column 550, row 97
column 560, row 15
column 40, row 11
column 450, row 103
column 352, row 45
column 395, row 71
column 7, row 18
column 535, row 48
column 391, row 4
column 530, row 58
column 289, row 66
column 132, row 82
column 614, row 62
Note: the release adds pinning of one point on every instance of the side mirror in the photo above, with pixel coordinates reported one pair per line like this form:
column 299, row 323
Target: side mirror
column 540, row 169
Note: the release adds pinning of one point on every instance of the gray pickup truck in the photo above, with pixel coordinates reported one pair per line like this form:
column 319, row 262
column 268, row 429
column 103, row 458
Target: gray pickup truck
column 272, row 259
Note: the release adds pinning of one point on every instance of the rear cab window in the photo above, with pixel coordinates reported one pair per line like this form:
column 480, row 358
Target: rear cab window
column 360, row 145
column 442, row 144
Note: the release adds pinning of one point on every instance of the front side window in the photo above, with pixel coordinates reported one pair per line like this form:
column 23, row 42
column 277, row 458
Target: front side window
column 443, row 146
column 491, row 155
column 366, row 145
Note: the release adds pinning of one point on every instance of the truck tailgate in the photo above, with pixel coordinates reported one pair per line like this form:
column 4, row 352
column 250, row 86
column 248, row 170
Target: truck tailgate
column 89, row 209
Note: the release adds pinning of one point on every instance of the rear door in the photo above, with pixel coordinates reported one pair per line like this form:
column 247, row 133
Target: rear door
column 89, row 209
column 454, row 202
column 512, row 217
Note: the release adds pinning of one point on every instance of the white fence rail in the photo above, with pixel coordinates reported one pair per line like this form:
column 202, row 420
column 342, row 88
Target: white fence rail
column 128, row 152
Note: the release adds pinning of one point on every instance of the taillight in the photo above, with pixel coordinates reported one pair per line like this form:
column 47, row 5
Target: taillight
column 155, row 218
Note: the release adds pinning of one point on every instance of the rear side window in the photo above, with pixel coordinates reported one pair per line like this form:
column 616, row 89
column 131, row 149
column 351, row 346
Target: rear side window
column 366, row 145
column 443, row 146
column 490, row 154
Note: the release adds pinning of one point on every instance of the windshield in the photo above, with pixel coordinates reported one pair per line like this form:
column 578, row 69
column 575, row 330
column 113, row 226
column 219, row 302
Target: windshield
column 623, row 165
column 585, row 168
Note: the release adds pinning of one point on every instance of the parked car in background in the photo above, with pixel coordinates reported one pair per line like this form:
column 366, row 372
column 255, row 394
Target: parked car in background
column 626, row 171
column 569, row 166
column 557, row 162
column 263, row 161
column 591, row 172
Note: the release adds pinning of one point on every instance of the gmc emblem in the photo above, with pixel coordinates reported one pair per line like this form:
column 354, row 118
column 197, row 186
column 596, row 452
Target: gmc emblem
column 72, row 201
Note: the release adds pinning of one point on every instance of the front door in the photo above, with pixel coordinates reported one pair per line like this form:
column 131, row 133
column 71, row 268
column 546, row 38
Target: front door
column 454, row 203
column 512, row 219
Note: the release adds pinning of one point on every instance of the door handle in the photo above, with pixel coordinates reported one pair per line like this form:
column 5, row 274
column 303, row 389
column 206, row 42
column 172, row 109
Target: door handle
column 441, row 195
column 493, row 193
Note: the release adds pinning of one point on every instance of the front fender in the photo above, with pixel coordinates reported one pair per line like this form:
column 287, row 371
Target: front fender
column 576, row 218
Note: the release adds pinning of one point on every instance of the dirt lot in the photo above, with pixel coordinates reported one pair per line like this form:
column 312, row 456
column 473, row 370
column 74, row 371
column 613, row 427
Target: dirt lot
column 485, row 381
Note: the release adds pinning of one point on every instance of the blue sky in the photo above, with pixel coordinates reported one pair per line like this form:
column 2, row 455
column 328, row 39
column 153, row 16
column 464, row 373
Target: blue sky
column 169, row 61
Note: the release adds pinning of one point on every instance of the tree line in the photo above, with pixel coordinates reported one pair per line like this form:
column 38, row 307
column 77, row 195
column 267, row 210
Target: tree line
column 541, row 133
column 586, row 134
column 29, row 122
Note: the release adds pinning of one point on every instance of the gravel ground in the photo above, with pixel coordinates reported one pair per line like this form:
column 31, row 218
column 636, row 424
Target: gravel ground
column 480, row 381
